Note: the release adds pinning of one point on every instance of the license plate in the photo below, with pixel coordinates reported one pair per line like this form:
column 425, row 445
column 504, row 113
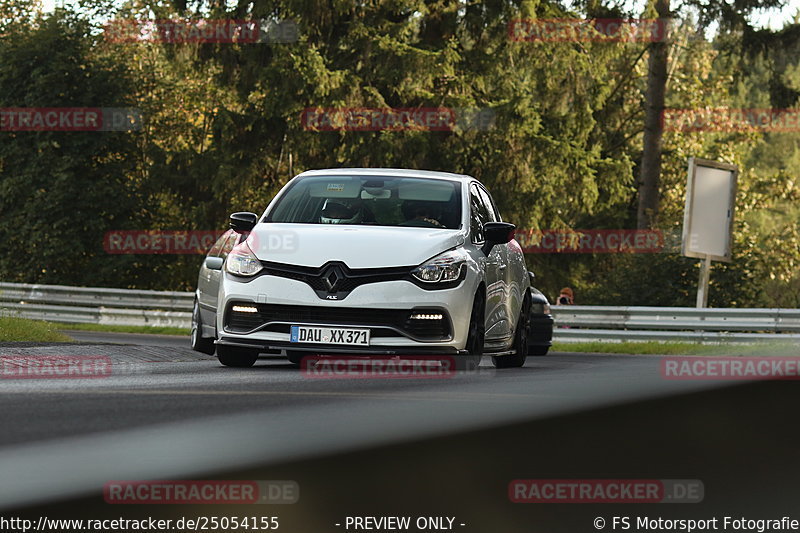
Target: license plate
column 323, row 335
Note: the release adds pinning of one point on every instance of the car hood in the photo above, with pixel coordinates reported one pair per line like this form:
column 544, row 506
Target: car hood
column 357, row 246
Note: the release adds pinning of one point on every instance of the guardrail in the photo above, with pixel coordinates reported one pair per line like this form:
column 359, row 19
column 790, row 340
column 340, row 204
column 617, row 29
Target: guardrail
column 588, row 323
column 59, row 303
column 76, row 305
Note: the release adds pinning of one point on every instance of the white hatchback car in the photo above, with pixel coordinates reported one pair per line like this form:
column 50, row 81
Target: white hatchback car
column 371, row 262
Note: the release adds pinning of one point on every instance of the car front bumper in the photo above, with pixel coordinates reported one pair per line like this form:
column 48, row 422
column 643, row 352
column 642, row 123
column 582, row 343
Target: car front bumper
column 272, row 292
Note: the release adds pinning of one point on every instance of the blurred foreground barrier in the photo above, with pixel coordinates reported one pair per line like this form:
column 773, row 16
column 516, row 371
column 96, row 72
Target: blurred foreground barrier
column 574, row 323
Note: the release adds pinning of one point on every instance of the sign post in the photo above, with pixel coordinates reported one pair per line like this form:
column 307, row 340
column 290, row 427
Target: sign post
column 702, row 284
column 708, row 217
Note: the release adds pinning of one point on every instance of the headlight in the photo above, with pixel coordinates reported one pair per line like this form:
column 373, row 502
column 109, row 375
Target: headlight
column 242, row 261
column 443, row 268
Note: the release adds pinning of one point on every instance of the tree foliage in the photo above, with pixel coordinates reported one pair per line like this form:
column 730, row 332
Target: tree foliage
column 60, row 191
column 222, row 133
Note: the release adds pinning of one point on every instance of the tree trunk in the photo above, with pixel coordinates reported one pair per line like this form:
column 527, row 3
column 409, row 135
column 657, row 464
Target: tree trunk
column 650, row 169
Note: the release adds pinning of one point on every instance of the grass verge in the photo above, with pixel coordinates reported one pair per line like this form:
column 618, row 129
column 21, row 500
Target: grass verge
column 14, row 329
column 152, row 330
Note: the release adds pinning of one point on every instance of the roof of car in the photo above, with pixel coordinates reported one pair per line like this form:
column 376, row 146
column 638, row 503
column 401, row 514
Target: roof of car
column 400, row 172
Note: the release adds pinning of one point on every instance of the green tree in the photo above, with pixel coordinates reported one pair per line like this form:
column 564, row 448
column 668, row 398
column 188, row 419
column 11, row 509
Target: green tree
column 60, row 191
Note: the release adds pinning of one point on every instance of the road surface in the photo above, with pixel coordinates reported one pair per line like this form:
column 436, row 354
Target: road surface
column 166, row 412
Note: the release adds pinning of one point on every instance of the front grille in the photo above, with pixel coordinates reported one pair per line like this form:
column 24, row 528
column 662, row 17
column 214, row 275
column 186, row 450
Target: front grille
column 379, row 319
column 335, row 279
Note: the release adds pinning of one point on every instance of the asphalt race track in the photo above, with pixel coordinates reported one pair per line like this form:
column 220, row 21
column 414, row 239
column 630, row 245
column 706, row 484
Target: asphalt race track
column 376, row 446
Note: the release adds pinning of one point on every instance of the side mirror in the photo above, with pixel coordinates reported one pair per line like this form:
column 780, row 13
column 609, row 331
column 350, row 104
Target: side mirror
column 243, row 222
column 496, row 233
column 214, row 263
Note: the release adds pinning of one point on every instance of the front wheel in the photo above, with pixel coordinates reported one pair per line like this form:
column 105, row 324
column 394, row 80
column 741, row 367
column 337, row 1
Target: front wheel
column 200, row 343
column 236, row 357
column 476, row 336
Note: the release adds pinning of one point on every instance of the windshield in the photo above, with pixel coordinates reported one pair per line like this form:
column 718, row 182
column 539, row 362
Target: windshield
column 367, row 200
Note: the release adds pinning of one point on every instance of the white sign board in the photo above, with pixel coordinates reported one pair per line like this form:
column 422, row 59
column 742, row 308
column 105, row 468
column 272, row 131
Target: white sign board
column 708, row 217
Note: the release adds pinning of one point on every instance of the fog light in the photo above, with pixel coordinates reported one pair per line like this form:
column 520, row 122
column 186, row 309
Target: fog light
column 244, row 309
column 428, row 316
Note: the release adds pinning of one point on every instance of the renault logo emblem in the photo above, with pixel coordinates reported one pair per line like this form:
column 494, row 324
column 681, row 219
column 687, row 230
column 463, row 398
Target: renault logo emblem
column 331, row 278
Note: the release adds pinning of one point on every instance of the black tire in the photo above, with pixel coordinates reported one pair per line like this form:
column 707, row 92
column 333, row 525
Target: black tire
column 198, row 342
column 538, row 351
column 476, row 336
column 236, row 357
column 520, row 347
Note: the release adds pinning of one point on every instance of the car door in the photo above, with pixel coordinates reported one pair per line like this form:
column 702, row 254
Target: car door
column 505, row 272
column 208, row 280
column 499, row 255
column 495, row 313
